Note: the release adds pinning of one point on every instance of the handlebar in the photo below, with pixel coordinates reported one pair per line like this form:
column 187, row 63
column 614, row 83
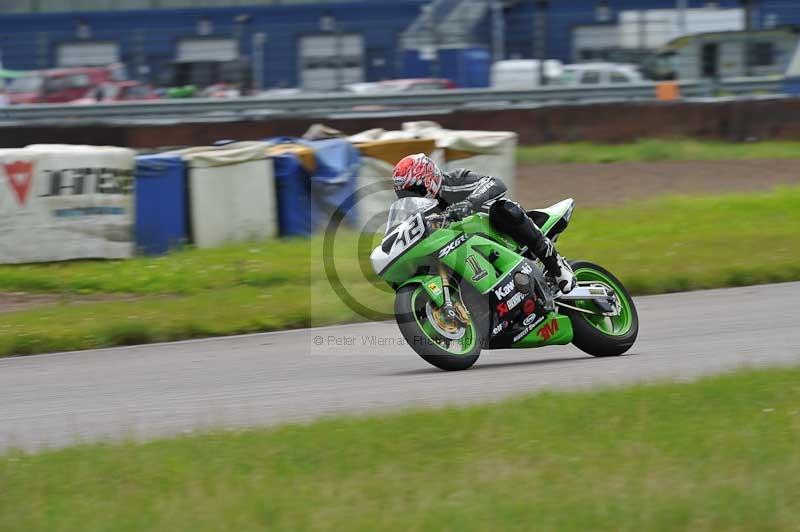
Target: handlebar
column 437, row 220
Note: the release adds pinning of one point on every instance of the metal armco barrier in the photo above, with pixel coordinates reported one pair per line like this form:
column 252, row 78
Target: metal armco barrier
column 306, row 105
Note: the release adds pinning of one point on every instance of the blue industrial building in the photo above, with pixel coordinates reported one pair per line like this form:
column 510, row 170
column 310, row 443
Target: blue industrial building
column 320, row 45
column 150, row 41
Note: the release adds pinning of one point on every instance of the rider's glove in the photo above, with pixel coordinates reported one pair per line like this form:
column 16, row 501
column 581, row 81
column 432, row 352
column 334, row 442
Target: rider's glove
column 458, row 211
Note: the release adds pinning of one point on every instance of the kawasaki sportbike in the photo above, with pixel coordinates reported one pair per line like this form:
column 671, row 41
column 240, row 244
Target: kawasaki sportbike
column 462, row 287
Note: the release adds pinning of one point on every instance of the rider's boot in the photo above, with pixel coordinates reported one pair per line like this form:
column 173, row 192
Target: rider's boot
column 563, row 274
column 556, row 265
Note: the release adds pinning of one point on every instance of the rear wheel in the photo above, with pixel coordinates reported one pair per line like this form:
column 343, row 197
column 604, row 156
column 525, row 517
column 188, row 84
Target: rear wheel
column 450, row 346
column 594, row 333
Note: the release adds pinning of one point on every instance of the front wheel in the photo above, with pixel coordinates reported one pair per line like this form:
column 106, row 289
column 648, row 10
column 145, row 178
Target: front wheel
column 593, row 333
column 450, row 346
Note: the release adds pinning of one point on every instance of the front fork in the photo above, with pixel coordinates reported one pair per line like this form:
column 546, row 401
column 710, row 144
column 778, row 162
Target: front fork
column 447, row 308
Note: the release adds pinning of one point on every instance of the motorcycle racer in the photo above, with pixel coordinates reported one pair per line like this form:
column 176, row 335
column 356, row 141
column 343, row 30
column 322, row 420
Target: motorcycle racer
column 463, row 192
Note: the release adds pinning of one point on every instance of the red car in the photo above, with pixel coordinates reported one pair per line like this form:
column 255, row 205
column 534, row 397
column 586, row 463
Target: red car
column 121, row 91
column 62, row 85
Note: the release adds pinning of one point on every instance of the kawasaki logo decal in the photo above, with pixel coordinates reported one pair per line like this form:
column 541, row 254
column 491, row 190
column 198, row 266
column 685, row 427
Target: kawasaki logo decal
column 503, row 291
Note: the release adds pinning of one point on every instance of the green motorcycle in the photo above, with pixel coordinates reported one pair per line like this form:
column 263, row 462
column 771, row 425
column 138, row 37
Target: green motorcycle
column 462, row 287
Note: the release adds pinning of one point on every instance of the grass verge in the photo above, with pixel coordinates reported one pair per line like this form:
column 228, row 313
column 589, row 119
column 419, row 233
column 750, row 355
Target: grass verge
column 718, row 454
column 656, row 150
column 659, row 246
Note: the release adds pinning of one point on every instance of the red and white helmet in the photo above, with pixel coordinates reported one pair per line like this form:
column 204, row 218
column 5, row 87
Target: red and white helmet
column 417, row 174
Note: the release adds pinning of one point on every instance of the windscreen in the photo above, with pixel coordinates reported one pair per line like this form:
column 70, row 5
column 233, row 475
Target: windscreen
column 567, row 77
column 404, row 208
column 25, row 84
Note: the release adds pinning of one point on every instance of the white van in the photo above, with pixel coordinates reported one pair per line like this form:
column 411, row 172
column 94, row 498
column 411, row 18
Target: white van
column 588, row 74
column 522, row 74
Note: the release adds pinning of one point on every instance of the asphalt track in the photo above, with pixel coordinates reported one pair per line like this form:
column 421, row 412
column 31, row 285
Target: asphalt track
column 147, row 391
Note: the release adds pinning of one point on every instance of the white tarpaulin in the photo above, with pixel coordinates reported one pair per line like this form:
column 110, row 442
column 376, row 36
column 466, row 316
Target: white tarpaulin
column 232, row 192
column 486, row 152
column 65, row 202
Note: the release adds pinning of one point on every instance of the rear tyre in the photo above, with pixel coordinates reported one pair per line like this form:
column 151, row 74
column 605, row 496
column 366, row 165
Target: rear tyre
column 597, row 335
column 450, row 350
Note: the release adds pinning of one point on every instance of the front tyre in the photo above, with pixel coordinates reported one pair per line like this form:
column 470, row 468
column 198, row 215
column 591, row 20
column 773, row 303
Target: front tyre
column 602, row 336
column 446, row 346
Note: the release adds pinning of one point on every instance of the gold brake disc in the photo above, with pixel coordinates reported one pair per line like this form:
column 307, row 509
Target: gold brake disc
column 452, row 330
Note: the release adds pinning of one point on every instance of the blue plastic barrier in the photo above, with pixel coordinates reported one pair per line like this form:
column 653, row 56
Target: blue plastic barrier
column 293, row 189
column 467, row 67
column 791, row 86
column 161, row 205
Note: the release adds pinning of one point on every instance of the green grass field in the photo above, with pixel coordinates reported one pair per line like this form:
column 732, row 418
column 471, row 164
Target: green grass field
column 659, row 246
column 719, row 454
column 656, row 150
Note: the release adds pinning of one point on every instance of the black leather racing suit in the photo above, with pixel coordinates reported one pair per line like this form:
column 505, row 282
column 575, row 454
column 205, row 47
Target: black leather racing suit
column 487, row 194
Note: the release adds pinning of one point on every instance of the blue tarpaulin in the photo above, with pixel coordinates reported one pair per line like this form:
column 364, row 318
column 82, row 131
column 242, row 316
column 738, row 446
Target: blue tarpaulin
column 331, row 189
column 333, row 185
column 161, row 205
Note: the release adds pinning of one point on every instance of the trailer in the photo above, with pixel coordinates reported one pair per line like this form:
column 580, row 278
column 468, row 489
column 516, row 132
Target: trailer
column 725, row 54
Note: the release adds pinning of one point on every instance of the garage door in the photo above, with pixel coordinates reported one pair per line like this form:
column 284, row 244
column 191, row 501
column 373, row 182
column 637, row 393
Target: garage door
column 199, row 50
column 328, row 62
column 587, row 41
column 87, row 54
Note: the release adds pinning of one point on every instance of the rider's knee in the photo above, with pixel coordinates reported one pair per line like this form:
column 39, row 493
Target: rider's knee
column 506, row 212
